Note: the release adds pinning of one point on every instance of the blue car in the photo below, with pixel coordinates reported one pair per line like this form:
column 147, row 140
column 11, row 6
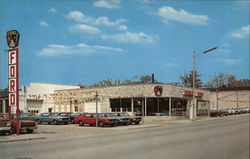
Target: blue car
column 51, row 118
column 121, row 119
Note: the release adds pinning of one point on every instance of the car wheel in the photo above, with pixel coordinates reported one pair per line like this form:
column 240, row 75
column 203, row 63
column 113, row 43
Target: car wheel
column 101, row 124
column 81, row 123
column 10, row 132
column 137, row 123
column 38, row 121
column 13, row 130
column 54, row 122
column 30, row 131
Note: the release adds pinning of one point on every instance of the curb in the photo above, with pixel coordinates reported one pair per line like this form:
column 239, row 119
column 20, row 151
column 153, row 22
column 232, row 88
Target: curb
column 145, row 127
column 24, row 139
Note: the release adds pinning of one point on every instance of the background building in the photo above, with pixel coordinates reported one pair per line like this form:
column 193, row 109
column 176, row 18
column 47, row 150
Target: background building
column 234, row 97
column 4, row 101
column 175, row 100
column 135, row 98
column 38, row 97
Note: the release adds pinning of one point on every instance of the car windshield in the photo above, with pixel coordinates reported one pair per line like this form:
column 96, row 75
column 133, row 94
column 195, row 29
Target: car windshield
column 101, row 115
column 125, row 114
column 6, row 116
column 112, row 114
column 53, row 114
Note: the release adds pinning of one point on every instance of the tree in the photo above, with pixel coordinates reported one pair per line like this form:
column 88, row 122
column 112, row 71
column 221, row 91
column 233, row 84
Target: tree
column 132, row 80
column 187, row 79
column 146, row 79
column 219, row 80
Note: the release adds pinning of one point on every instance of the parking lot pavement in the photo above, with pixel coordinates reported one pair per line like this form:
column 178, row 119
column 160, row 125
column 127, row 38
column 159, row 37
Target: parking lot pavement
column 74, row 130
column 70, row 131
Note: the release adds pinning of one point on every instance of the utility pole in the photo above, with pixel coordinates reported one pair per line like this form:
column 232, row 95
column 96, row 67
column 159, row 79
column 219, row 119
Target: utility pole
column 96, row 98
column 192, row 111
column 237, row 100
column 217, row 102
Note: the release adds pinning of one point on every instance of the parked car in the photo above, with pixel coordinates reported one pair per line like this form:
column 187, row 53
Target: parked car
column 103, row 119
column 24, row 125
column 77, row 118
column 51, row 118
column 133, row 119
column 215, row 113
column 224, row 112
column 158, row 114
column 122, row 120
column 243, row 110
column 5, row 126
column 26, row 116
column 70, row 115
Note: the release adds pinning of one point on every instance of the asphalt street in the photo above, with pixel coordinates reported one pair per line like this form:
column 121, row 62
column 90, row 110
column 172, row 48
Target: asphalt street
column 226, row 138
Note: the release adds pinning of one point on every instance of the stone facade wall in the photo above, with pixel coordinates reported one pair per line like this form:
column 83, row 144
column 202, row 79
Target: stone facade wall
column 124, row 91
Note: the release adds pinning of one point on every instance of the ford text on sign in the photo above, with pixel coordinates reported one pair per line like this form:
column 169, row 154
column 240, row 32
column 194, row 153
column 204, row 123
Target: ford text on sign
column 13, row 76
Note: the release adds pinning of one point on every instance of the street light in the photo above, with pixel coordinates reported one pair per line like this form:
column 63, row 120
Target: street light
column 96, row 97
column 192, row 115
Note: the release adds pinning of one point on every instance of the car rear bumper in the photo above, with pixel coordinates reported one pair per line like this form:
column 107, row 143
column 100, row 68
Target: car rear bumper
column 124, row 122
column 5, row 129
column 28, row 128
column 111, row 122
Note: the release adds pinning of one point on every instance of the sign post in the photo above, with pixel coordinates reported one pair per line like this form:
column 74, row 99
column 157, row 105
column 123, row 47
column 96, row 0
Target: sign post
column 12, row 40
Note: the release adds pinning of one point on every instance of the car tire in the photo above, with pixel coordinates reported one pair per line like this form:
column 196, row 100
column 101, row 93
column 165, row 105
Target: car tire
column 137, row 123
column 13, row 131
column 30, row 131
column 101, row 124
column 54, row 122
column 81, row 123
column 38, row 121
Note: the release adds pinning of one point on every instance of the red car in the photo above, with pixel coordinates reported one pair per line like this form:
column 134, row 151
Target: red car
column 103, row 119
column 77, row 118
column 24, row 125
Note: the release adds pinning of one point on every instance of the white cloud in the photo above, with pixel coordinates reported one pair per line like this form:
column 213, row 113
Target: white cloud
column 170, row 14
column 52, row 10
column 84, row 28
column 129, row 37
column 231, row 61
column 80, row 49
column 107, row 4
column 122, row 27
column 43, row 23
column 243, row 32
column 79, row 17
column 100, row 21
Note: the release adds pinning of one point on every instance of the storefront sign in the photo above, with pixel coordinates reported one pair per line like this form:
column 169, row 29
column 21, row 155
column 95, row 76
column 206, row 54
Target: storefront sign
column 158, row 90
column 12, row 40
column 190, row 93
column 13, row 76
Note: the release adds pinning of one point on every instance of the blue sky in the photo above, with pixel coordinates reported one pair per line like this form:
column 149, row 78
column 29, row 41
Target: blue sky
column 84, row 41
